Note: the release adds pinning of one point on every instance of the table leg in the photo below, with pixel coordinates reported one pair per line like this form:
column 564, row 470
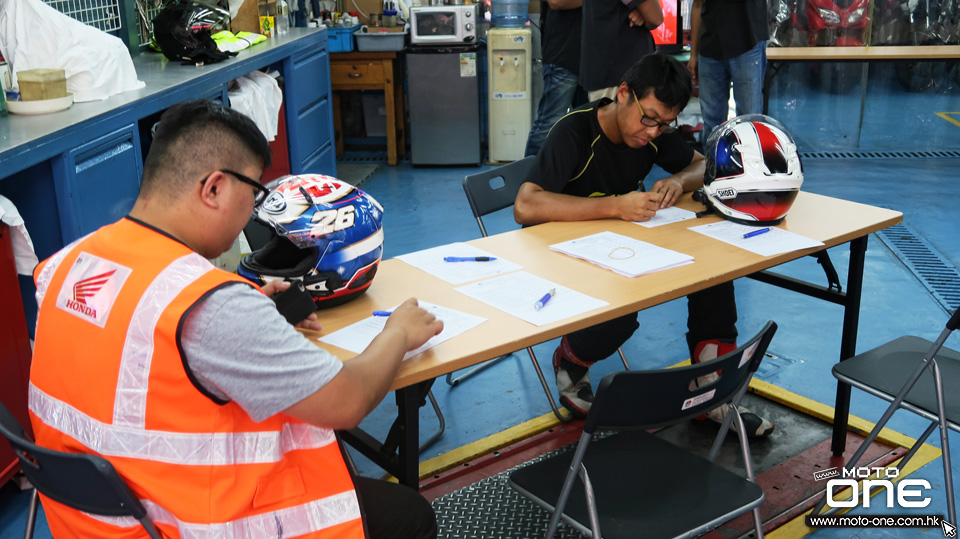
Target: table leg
column 409, row 400
column 848, row 339
column 390, row 106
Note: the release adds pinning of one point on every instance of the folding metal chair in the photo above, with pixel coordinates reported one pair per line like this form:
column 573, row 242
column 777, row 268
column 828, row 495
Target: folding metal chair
column 637, row 484
column 84, row 482
column 487, row 192
column 910, row 373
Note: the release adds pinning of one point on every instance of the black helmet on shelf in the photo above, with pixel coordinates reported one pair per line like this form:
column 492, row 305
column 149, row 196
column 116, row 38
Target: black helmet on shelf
column 182, row 31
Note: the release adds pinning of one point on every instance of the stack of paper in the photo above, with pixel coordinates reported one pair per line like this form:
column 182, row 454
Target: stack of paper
column 772, row 241
column 518, row 293
column 357, row 336
column 666, row 216
column 432, row 261
column 626, row 256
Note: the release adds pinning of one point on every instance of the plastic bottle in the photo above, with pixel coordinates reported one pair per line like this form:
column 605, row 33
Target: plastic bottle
column 283, row 17
column 509, row 13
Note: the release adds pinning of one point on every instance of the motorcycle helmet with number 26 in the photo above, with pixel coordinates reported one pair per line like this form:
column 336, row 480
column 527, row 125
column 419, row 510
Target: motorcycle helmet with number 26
column 753, row 171
column 325, row 233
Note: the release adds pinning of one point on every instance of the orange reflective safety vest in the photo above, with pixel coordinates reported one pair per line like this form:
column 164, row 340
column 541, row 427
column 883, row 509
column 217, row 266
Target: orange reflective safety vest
column 108, row 378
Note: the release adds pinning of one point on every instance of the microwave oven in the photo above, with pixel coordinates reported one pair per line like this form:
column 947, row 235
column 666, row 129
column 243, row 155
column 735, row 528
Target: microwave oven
column 443, row 25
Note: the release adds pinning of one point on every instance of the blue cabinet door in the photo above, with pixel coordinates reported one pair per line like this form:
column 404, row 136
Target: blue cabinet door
column 98, row 182
column 309, row 111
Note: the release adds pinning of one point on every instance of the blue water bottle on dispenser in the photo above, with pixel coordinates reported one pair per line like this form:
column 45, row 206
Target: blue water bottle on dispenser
column 509, row 13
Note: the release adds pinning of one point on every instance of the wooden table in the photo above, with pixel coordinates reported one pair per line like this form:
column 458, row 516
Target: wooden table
column 778, row 56
column 371, row 71
column 826, row 219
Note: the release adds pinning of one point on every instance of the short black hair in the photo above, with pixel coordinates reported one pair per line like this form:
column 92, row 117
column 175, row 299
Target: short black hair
column 198, row 137
column 663, row 75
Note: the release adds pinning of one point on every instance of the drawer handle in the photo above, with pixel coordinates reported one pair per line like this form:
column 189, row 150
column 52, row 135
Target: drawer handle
column 354, row 75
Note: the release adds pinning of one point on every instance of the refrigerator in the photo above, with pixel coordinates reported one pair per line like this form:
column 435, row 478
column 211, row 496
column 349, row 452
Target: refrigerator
column 444, row 100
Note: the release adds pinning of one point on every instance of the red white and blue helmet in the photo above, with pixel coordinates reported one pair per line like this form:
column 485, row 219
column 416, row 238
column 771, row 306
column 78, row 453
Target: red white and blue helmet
column 326, row 233
column 753, row 171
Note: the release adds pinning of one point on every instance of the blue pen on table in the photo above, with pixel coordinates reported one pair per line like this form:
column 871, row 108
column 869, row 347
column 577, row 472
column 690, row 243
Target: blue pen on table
column 757, row 232
column 382, row 313
column 469, row 258
column 543, row 301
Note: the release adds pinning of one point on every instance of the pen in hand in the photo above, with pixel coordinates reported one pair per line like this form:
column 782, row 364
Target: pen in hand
column 543, row 301
column 469, row 258
column 382, row 313
column 757, row 232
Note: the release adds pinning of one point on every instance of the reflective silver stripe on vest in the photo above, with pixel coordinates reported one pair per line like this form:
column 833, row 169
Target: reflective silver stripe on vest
column 130, row 402
column 290, row 522
column 43, row 280
column 205, row 448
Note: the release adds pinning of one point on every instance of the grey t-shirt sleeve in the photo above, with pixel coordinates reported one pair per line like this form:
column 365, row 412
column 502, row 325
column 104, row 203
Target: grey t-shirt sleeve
column 239, row 348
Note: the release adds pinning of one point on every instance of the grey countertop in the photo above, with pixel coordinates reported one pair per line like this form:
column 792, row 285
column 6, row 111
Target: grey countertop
column 29, row 139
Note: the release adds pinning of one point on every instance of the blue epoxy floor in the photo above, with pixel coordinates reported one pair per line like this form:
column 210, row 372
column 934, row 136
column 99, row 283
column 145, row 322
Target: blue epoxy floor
column 426, row 207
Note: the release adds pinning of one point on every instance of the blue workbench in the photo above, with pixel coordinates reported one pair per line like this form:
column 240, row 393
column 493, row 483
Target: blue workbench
column 73, row 171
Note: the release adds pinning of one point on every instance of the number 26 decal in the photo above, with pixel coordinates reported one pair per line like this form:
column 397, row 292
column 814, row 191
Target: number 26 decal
column 328, row 221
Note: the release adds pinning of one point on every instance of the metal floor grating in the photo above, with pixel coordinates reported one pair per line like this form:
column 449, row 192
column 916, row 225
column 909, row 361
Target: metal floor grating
column 365, row 157
column 489, row 508
column 881, row 155
column 932, row 269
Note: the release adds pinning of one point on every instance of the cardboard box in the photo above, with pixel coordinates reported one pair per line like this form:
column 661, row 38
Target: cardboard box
column 41, row 84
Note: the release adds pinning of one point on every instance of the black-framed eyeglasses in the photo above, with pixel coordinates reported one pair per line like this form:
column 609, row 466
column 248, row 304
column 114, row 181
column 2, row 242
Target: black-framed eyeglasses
column 665, row 127
column 262, row 192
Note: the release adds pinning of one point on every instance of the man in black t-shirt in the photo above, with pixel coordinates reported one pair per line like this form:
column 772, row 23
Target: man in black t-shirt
column 592, row 166
column 616, row 35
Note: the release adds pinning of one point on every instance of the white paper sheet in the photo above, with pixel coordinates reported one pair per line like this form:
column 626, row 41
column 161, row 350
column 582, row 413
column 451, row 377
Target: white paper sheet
column 667, row 216
column 431, row 261
column 357, row 336
column 516, row 293
column 770, row 243
column 624, row 255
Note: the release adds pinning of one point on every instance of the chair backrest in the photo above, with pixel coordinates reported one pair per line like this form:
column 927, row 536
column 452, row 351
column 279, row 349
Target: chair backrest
column 81, row 481
column 675, row 391
column 495, row 189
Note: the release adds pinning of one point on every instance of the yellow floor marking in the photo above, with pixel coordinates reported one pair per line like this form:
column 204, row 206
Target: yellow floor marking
column 945, row 116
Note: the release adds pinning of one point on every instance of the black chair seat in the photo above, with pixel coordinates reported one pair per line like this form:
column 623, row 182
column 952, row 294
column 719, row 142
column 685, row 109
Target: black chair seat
column 884, row 370
column 904, row 372
column 634, row 471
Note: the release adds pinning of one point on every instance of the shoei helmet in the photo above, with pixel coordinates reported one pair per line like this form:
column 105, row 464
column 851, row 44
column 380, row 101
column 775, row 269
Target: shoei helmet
column 753, row 172
column 326, row 233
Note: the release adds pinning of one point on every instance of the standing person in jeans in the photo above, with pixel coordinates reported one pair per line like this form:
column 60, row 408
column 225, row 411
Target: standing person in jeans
column 616, row 35
column 561, row 65
column 728, row 45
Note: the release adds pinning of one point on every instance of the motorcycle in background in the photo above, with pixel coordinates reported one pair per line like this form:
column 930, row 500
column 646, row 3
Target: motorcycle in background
column 925, row 22
column 836, row 23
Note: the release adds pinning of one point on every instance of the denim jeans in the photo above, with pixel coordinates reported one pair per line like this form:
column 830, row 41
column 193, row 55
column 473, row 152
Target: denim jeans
column 559, row 87
column 745, row 72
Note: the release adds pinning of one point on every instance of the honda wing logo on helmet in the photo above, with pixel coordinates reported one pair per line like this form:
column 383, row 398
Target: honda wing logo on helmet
column 753, row 171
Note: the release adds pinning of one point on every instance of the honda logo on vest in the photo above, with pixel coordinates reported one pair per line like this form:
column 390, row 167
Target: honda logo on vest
column 91, row 287
column 87, row 288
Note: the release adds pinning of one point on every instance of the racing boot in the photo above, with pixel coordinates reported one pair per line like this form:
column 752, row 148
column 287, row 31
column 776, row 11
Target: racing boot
column 573, row 380
column 757, row 427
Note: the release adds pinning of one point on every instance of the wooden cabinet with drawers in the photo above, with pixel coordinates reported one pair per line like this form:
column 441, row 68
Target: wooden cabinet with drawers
column 371, row 71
